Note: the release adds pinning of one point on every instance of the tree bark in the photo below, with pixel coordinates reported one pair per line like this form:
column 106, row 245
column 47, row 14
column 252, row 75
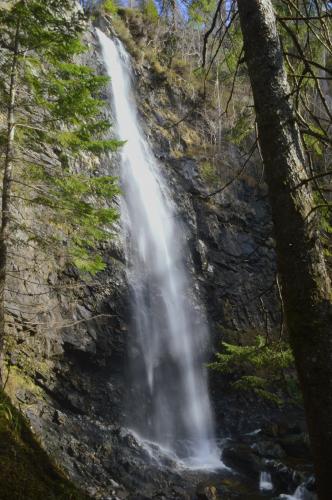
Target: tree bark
column 6, row 191
column 306, row 289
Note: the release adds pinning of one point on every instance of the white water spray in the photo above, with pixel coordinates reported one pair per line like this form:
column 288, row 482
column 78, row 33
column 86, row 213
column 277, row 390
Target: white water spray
column 265, row 481
column 301, row 493
column 171, row 330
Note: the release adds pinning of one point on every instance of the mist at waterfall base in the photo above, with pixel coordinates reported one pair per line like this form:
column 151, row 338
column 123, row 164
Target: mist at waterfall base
column 169, row 328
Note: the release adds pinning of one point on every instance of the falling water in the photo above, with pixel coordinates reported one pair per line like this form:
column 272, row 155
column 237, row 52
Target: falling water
column 168, row 322
column 265, row 481
column 301, row 493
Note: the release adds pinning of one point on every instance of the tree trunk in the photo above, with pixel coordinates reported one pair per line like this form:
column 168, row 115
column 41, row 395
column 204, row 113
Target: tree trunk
column 305, row 285
column 6, row 192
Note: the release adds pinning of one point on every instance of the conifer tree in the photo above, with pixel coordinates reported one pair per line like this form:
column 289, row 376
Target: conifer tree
column 50, row 106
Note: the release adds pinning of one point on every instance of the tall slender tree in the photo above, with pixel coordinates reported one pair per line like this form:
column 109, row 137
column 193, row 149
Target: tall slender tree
column 305, row 284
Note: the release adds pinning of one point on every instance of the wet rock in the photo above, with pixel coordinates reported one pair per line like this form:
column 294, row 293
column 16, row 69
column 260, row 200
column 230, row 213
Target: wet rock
column 268, row 449
column 26, row 396
column 310, row 484
column 187, row 168
column 296, row 445
column 286, row 478
column 241, row 457
column 279, row 429
column 206, row 492
column 59, row 417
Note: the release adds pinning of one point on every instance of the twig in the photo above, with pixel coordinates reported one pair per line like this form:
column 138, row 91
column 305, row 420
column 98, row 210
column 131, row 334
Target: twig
column 237, row 175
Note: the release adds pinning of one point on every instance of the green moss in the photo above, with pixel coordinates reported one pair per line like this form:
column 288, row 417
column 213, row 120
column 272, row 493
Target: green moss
column 209, row 173
column 159, row 70
column 136, row 29
column 26, row 472
column 16, row 379
column 182, row 68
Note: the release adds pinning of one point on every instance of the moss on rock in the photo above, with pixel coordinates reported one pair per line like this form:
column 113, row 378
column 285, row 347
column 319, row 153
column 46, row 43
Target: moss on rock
column 26, row 472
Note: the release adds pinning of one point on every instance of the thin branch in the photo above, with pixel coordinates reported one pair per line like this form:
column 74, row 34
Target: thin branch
column 309, row 61
column 318, row 207
column 210, row 30
column 237, row 175
column 61, row 324
column 306, row 18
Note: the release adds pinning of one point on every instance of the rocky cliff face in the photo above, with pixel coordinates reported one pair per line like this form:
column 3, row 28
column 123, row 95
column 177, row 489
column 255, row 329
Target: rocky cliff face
column 69, row 374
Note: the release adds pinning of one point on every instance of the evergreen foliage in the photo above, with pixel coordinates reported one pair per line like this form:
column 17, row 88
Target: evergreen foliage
column 199, row 11
column 58, row 107
column 265, row 368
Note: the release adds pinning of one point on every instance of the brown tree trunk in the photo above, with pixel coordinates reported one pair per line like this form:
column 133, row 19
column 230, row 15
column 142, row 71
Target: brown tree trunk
column 6, row 192
column 305, row 285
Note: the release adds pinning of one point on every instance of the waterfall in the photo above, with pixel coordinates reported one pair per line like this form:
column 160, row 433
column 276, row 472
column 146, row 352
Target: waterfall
column 168, row 323
column 265, row 481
